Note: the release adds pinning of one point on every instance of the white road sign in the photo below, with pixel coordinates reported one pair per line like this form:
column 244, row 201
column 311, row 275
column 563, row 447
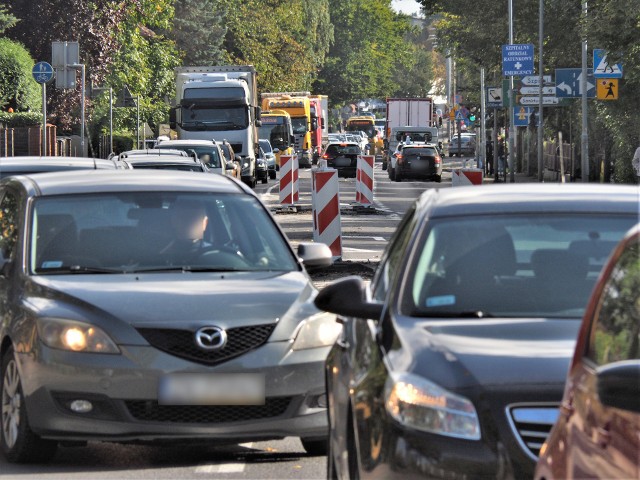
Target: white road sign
column 536, row 90
column 534, row 80
column 534, row 100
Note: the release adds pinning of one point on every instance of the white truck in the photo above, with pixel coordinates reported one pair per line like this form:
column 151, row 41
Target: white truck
column 406, row 112
column 220, row 103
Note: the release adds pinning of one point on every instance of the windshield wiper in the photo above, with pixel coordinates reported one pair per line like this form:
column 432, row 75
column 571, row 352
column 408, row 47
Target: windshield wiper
column 447, row 314
column 187, row 268
column 80, row 269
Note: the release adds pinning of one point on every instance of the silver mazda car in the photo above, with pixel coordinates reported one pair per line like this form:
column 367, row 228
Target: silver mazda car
column 154, row 306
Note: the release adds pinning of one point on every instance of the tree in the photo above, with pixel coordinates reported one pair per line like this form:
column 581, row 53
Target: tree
column 7, row 20
column 18, row 89
column 199, row 30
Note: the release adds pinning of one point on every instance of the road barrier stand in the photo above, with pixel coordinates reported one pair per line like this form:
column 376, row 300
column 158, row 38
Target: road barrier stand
column 364, row 180
column 466, row 176
column 325, row 203
column 288, row 180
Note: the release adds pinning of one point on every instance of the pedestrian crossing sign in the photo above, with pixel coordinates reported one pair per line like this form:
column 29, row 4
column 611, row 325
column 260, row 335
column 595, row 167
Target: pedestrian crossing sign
column 601, row 66
column 607, row 88
column 459, row 115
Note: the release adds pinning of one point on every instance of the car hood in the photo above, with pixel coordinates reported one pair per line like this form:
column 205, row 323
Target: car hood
column 176, row 300
column 465, row 353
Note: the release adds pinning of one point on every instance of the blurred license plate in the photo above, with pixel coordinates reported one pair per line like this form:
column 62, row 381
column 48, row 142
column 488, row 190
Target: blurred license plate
column 214, row 389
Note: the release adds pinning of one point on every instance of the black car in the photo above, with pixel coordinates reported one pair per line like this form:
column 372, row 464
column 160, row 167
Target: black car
column 343, row 157
column 452, row 363
column 419, row 161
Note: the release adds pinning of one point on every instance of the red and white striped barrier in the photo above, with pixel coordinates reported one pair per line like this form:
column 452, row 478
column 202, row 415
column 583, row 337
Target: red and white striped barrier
column 466, row 176
column 325, row 202
column 288, row 180
column 296, row 190
column 364, row 180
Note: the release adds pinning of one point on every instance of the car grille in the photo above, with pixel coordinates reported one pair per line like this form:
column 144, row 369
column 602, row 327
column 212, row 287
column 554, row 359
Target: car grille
column 531, row 425
column 182, row 344
column 150, row 411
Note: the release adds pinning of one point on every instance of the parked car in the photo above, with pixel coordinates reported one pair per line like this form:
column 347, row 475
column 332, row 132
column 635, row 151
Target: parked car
column 452, row 363
column 154, row 306
column 164, row 162
column 23, row 165
column 207, row 151
column 597, row 434
column 270, row 157
column 343, row 157
column 417, row 161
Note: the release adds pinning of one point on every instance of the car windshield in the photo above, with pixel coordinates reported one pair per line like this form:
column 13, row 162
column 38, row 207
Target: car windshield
column 536, row 265
column 207, row 155
column 154, row 231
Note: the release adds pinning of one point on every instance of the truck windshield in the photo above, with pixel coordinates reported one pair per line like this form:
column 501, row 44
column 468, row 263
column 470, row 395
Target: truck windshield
column 368, row 128
column 299, row 124
column 195, row 117
column 277, row 135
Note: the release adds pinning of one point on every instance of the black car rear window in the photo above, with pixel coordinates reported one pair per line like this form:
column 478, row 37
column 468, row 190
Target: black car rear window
column 343, row 150
column 419, row 151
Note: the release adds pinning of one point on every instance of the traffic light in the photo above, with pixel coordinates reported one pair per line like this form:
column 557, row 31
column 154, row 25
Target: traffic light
column 472, row 117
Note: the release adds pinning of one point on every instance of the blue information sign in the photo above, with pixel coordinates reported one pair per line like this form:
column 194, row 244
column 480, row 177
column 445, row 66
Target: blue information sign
column 517, row 59
column 569, row 82
column 42, row 72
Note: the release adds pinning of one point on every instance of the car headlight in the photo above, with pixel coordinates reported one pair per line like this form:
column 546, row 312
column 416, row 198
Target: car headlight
column 422, row 405
column 74, row 336
column 260, row 163
column 320, row 330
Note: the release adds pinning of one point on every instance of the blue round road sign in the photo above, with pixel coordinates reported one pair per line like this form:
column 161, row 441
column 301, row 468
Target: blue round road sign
column 42, row 72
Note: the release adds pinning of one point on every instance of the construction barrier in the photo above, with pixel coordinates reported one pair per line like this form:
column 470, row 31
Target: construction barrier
column 325, row 202
column 296, row 190
column 364, row 180
column 466, row 176
column 288, row 179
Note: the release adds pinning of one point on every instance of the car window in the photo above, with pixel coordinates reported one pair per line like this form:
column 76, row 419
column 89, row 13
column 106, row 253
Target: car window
column 515, row 265
column 420, row 151
column 207, row 155
column 8, row 224
column 615, row 333
column 111, row 230
column 343, row 150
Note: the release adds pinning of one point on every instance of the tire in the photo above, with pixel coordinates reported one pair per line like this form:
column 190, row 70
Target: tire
column 397, row 176
column 17, row 441
column 265, row 180
column 315, row 447
column 392, row 174
column 438, row 178
column 272, row 174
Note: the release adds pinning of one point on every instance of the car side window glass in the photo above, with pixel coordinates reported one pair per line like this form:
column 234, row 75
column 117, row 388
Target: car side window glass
column 615, row 333
column 393, row 257
column 8, row 224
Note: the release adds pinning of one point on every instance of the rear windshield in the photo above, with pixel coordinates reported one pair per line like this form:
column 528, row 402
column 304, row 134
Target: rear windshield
column 344, row 149
column 419, row 151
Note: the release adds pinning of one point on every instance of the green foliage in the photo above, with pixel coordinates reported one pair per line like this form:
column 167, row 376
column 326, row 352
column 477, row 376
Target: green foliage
column 20, row 119
column 7, row 20
column 198, row 31
column 18, row 89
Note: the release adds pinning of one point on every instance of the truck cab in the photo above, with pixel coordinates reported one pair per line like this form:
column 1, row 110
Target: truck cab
column 277, row 128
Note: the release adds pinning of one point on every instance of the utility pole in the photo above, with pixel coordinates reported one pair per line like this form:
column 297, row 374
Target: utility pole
column 540, row 86
column 583, row 86
column 512, row 130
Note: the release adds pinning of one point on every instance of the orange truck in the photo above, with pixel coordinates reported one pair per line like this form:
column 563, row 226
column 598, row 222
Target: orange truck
column 276, row 127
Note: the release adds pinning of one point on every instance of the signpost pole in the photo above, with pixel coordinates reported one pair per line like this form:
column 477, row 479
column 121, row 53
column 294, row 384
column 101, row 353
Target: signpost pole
column 511, row 104
column 110, row 119
column 44, row 118
column 541, row 84
column 483, row 138
column 583, row 86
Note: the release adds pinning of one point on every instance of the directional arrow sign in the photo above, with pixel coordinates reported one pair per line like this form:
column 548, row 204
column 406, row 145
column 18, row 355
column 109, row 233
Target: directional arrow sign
column 568, row 82
column 534, row 80
column 536, row 90
column 534, row 101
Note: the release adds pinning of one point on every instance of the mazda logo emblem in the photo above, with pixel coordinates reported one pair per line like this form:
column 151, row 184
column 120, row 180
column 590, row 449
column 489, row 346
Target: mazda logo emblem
column 211, row 338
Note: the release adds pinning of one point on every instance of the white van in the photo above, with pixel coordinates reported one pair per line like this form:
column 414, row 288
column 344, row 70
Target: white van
column 415, row 134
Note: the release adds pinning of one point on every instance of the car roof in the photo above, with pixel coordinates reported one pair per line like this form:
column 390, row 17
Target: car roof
column 344, row 144
column 35, row 164
column 187, row 142
column 79, row 182
column 529, row 197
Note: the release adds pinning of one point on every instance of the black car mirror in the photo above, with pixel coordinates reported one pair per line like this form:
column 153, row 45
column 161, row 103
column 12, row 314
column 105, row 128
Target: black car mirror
column 348, row 297
column 618, row 385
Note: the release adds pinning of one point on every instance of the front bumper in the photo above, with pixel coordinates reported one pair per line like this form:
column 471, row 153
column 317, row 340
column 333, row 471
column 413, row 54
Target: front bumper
column 124, row 391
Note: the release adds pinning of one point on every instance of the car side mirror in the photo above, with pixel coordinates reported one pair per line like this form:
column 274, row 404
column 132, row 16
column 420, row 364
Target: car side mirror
column 292, row 139
column 618, row 385
column 347, row 297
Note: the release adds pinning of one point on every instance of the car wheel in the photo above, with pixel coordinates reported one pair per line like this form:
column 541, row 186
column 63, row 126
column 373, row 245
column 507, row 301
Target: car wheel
column 265, row 180
column 18, row 442
column 315, row 447
column 384, row 165
column 392, row 174
column 397, row 176
column 438, row 178
column 272, row 174
column 451, row 154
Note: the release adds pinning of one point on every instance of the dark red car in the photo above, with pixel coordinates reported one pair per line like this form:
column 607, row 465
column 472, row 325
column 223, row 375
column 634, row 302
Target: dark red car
column 597, row 434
